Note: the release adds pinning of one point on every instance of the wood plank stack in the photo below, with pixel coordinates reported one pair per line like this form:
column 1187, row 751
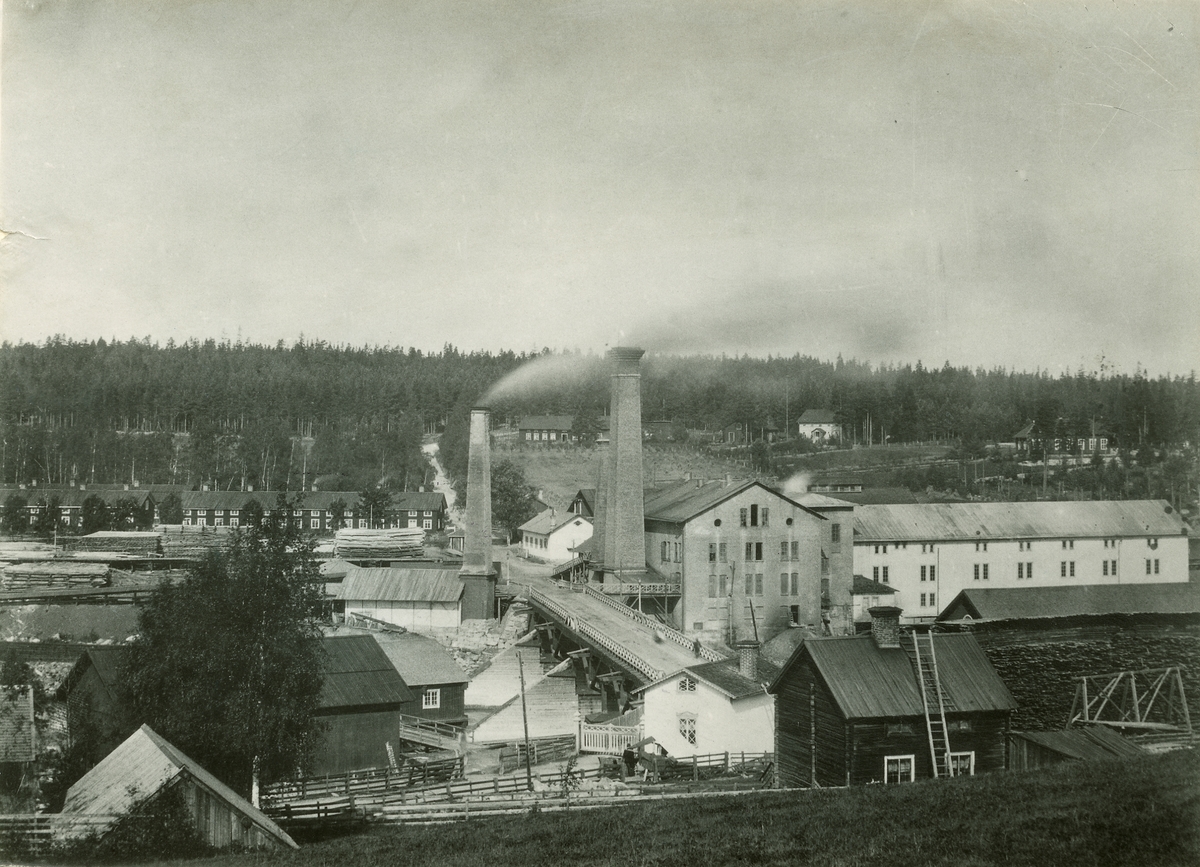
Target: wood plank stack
column 25, row 576
column 138, row 544
column 191, row 543
column 407, row 543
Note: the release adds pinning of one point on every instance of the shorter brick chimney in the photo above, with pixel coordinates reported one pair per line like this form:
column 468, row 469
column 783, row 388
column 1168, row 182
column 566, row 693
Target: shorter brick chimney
column 748, row 658
column 885, row 625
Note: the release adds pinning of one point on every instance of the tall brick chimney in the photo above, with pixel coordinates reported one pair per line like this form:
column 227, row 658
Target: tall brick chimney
column 885, row 625
column 625, row 522
column 477, row 575
column 600, row 518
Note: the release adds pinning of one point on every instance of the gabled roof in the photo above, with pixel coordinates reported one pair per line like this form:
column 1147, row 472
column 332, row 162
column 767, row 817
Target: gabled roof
column 864, row 586
column 817, row 416
column 546, row 422
column 823, row 501
column 725, row 677
column 16, row 724
column 870, row 682
column 1053, row 520
column 420, row 501
column 141, row 766
column 358, row 673
column 545, row 523
column 588, row 497
column 420, row 660
column 1027, row 603
column 682, row 501
column 108, row 661
column 401, row 584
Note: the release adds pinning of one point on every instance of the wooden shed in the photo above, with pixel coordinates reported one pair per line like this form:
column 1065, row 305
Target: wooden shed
column 362, row 697
column 144, row 766
column 99, row 710
column 863, row 709
column 1030, row 750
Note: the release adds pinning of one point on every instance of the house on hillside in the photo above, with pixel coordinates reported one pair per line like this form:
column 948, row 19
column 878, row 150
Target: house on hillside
column 1063, row 439
column 734, row 546
column 362, row 697
column 852, row 710
column 316, row 510
column 416, row 598
column 546, row 429
column 713, row 707
column 143, row 767
column 820, row 426
column 931, row 552
column 435, row 680
column 552, row 536
column 99, row 710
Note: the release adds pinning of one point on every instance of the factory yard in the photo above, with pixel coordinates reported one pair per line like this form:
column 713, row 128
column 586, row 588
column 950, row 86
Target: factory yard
column 1134, row 812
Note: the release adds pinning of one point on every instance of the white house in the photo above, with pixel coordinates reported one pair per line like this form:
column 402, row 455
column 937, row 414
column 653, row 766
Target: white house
column 929, row 553
column 713, row 707
column 414, row 598
column 551, row 535
column 819, row 425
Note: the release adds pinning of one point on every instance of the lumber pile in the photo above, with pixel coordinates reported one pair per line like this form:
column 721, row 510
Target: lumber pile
column 27, row 576
column 407, row 543
column 138, row 544
column 192, row 543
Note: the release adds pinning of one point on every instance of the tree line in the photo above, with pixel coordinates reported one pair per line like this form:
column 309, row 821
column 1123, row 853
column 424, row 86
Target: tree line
column 234, row 415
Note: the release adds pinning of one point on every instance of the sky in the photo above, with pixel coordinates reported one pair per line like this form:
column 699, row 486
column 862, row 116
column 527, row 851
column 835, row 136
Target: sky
column 986, row 183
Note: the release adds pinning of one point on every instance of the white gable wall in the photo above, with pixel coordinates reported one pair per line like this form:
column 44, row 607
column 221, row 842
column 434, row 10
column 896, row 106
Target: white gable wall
column 745, row 725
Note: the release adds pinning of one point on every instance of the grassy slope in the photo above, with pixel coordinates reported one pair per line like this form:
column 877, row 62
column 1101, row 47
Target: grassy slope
column 1144, row 812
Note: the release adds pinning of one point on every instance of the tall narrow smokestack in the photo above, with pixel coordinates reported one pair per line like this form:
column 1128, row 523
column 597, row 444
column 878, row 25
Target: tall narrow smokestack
column 477, row 575
column 625, row 522
column 600, row 517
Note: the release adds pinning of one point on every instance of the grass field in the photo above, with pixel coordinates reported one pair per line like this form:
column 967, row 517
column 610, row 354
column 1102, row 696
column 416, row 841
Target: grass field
column 1139, row 812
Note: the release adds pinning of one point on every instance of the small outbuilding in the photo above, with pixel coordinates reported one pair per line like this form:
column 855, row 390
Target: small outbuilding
column 99, row 710
column 415, row 598
column 861, row 709
column 552, row 536
column 1030, row 750
column 145, row 766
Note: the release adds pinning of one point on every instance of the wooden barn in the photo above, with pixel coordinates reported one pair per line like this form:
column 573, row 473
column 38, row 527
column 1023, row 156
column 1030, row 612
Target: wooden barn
column 99, row 711
column 879, row 706
column 144, row 766
column 362, row 698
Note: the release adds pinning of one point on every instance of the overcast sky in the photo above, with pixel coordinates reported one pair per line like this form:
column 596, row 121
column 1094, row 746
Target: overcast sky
column 989, row 183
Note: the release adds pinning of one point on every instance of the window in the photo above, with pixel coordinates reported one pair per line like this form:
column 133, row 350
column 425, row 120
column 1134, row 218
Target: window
column 712, row 552
column 795, row 584
column 758, row 584
column 783, row 550
column 885, row 549
column 721, row 585
column 976, row 571
column 758, row 550
column 314, row 524
column 766, row 516
column 749, row 583
column 742, row 514
column 932, row 600
column 876, row 549
column 931, row 568
column 885, row 574
column 431, row 698
column 1028, row 570
column 665, row 549
column 749, row 550
column 1151, row 543
column 1020, row 570
column 922, row 600
column 794, row 614
column 687, row 728
column 721, row 552
column 678, row 551
column 959, row 725
column 362, row 523
column 795, row 550
column 899, row 728
column 1156, row 566
column 783, row 584
column 1103, row 567
column 835, row 533
column 898, row 769
column 1147, row 567
column 427, row 524
column 1112, row 568
column 1071, row 567
column 824, row 564
column 754, row 515
column 962, row 764
column 687, row 684
column 233, row 522
column 712, row 586
column 412, row 523
column 218, row 511
column 922, row 573
column 1062, row 568
column 875, row 572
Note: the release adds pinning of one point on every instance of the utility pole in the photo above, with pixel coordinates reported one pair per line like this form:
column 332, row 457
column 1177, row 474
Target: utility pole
column 525, row 723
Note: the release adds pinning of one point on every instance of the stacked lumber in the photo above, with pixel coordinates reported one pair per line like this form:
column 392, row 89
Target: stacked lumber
column 192, row 545
column 399, row 544
column 26, row 576
column 141, row 544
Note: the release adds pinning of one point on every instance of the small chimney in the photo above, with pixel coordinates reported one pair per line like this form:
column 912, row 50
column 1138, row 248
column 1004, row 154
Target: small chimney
column 748, row 659
column 885, row 625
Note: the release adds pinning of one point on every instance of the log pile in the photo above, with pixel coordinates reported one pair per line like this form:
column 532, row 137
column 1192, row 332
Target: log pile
column 138, row 544
column 186, row 546
column 26, row 576
column 399, row 544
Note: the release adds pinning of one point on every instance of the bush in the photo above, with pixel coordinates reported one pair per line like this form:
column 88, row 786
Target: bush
column 159, row 826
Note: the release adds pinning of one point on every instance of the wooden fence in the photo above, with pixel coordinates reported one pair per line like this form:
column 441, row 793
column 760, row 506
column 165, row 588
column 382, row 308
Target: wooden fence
column 609, row 740
column 32, row 835
column 364, row 783
column 551, row 749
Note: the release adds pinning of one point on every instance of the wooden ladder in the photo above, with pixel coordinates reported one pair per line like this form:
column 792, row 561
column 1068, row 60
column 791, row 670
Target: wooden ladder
column 934, row 702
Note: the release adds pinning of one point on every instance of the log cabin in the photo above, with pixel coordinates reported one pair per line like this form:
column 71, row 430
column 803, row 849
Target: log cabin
column 866, row 709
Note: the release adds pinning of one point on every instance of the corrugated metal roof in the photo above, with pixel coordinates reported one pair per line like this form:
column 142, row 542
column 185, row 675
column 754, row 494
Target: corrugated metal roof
column 16, row 724
column 357, row 673
column 869, row 682
column 1088, row 743
column 971, row 521
column 682, row 501
column 139, row 767
column 401, row 584
column 1023, row 603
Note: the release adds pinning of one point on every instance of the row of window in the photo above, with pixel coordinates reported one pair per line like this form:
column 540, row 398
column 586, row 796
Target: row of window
column 200, row 513
column 719, row 585
column 930, row 602
column 901, row 769
column 755, row 517
column 1067, row 544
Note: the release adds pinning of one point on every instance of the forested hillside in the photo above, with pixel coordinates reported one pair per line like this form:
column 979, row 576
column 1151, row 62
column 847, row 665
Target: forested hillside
column 231, row 414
